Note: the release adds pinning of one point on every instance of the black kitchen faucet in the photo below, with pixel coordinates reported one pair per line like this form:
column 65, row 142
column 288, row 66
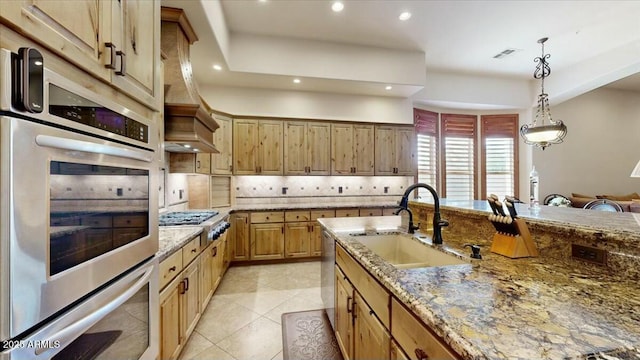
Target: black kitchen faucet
column 438, row 223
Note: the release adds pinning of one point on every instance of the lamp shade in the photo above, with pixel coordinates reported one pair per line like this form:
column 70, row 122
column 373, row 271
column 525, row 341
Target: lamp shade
column 636, row 171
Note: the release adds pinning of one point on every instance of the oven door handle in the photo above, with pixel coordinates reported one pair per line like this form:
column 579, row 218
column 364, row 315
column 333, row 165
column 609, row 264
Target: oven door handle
column 86, row 146
column 65, row 336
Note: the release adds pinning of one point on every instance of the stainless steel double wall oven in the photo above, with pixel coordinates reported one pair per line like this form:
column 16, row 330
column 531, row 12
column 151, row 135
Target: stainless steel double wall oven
column 78, row 220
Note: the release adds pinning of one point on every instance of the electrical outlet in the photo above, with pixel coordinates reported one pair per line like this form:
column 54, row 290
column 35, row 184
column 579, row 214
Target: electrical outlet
column 339, row 189
column 590, row 254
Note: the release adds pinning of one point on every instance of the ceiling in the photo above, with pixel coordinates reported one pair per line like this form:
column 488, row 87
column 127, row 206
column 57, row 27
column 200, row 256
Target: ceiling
column 458, row 37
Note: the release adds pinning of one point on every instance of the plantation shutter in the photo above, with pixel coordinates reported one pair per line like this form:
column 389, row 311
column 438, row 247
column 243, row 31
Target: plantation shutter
column 426, row 124
column 460, row 176
column 500, row 156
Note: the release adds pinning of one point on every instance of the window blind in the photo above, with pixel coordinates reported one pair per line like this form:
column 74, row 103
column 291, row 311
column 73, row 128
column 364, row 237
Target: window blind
column 460, row 176
column 426, row 124
column 499, row 135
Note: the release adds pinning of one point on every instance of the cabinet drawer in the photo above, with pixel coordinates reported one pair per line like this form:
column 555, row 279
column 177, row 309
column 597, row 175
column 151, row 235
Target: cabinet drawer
column 373, row 293
column 319, row 214
column 413, row 336
column 191, row 250
column 170, row 267
column 389, row 211
column 130, row 221
column 293, row 216
column 267, row 217
column 371, row 212
column 100, row 221
column 347, row 213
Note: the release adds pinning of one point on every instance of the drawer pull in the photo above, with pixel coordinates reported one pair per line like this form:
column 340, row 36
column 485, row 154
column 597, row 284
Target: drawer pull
column 194, row 250
column 186, row 284
column 421, row 354
column 173, row 268
column 214, row 251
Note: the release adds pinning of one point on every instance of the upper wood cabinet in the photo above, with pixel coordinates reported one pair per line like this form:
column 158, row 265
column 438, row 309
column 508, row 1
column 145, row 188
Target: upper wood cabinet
column 116, row 41
column 395, row 149
column 306, row 148
column 199, row 163
column 352, row 149
column 221, row 164
column 135, row 33
column 257, row 147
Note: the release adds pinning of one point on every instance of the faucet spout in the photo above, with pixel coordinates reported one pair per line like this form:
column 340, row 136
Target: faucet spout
column 438, row 223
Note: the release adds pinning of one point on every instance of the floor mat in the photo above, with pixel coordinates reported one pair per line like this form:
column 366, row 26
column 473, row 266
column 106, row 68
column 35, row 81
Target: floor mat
column 307, row 335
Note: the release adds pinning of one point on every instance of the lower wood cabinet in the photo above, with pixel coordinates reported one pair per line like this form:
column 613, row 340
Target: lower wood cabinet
column 239, row 236
column 191, row 297
column 343, row 314
column 396, row 352
column 297, row 238
column 267, row 241
column 371, row 340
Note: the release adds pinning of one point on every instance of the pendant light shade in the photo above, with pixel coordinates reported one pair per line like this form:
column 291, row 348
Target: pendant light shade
column 544, row 131
column 636, row 171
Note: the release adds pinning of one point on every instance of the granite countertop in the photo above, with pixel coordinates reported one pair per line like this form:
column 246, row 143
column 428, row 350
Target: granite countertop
column 623, row 226
column 497, row 307
column 172, row 238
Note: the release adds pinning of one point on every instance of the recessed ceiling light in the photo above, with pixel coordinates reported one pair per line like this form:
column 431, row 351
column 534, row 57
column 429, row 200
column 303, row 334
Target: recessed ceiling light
column 388, row 87
column 187, row 146
column 404, row 16
column 296, row 81
column 196, row 150
column 217, row 67
column 337, row 6
column 262, row 1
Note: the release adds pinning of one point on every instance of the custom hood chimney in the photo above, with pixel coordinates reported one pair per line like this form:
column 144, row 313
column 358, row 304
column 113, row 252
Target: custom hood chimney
column 188, row 127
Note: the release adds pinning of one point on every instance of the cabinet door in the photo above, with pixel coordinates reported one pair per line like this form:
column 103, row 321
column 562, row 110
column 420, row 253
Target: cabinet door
column 296, row 239
column 385, row 150
column 267, row 241
column 191, row 297
column 136, row 33
column 406, row 149
column 221, row 163
column 206, row 276
column 189, row 163
column 316, row 240
column 295, row 148
column 239, row 236
column 363, row 137
column 396, row 352
column 371, row 340
column 341, row 149
column 318, row 148
column 171, row 339
column 76, row 30
column 270, row 151
column 245, row 146
column 344, row 318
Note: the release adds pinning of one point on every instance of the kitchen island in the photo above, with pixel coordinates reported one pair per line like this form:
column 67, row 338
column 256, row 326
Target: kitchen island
column 528, row 308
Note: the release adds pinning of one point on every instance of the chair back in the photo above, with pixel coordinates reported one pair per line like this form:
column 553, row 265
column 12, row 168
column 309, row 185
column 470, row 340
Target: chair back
column 603, row 205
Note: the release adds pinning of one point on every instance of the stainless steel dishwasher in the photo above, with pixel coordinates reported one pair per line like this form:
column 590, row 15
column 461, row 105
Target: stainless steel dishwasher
column 328, row 276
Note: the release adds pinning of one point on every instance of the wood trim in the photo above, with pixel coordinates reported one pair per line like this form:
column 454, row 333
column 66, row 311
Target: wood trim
column 178, row 16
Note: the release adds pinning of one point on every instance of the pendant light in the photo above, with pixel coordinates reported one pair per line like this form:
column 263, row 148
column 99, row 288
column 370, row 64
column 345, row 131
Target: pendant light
column 544, row 131
column 636, row 171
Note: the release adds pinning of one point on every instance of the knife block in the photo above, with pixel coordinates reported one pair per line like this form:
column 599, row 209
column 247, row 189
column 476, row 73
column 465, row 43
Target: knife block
column 515, row 246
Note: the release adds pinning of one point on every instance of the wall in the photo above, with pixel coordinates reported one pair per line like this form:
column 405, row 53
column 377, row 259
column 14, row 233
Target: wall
column 176, row 196
column 601, row 147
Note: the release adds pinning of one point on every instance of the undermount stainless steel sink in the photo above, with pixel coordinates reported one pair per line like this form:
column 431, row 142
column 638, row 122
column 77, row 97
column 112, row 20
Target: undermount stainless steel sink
column 406, row 252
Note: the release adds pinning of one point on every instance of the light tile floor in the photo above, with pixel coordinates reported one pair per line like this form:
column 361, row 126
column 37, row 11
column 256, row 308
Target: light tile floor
column 242, row 321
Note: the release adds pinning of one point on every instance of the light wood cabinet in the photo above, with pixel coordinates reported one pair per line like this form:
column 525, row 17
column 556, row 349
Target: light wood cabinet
column 239, row 236
column 191, row 297
column 207, row 269
column 257, row 147
column 171, row 317
column 371, row 338
column 267, row 241
column 190, row 163
column 352, row 149
column 396, row 352
column 306, row 148
column 221, row 164
column 343, row 314
column 395, row 150
column 354, row 212
column 207, row 192
column 370, row 212
column 117, row 42
column 135, row 26
column 297, row 237
column 414, row 337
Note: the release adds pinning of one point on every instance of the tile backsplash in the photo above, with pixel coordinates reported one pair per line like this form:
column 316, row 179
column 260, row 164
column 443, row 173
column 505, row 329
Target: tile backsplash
column 319, row 186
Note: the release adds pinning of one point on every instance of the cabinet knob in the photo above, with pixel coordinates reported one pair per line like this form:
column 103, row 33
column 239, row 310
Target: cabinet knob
column 421, row 354
column 194, row 250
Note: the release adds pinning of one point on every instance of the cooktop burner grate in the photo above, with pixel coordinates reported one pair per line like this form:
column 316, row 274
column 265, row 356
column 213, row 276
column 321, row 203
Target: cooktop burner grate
column 185, row 217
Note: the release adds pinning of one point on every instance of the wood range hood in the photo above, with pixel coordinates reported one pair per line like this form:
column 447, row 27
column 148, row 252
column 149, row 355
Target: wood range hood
column 188, row 125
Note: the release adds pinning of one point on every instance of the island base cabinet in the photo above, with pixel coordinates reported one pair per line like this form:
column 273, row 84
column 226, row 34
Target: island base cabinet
column 414, row 338
column 371, row 340
column 343, row 315
column 396, row 352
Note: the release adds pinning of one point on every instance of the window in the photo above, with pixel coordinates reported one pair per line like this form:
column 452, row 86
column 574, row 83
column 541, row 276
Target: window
column 500, row 155
column 449, row 155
